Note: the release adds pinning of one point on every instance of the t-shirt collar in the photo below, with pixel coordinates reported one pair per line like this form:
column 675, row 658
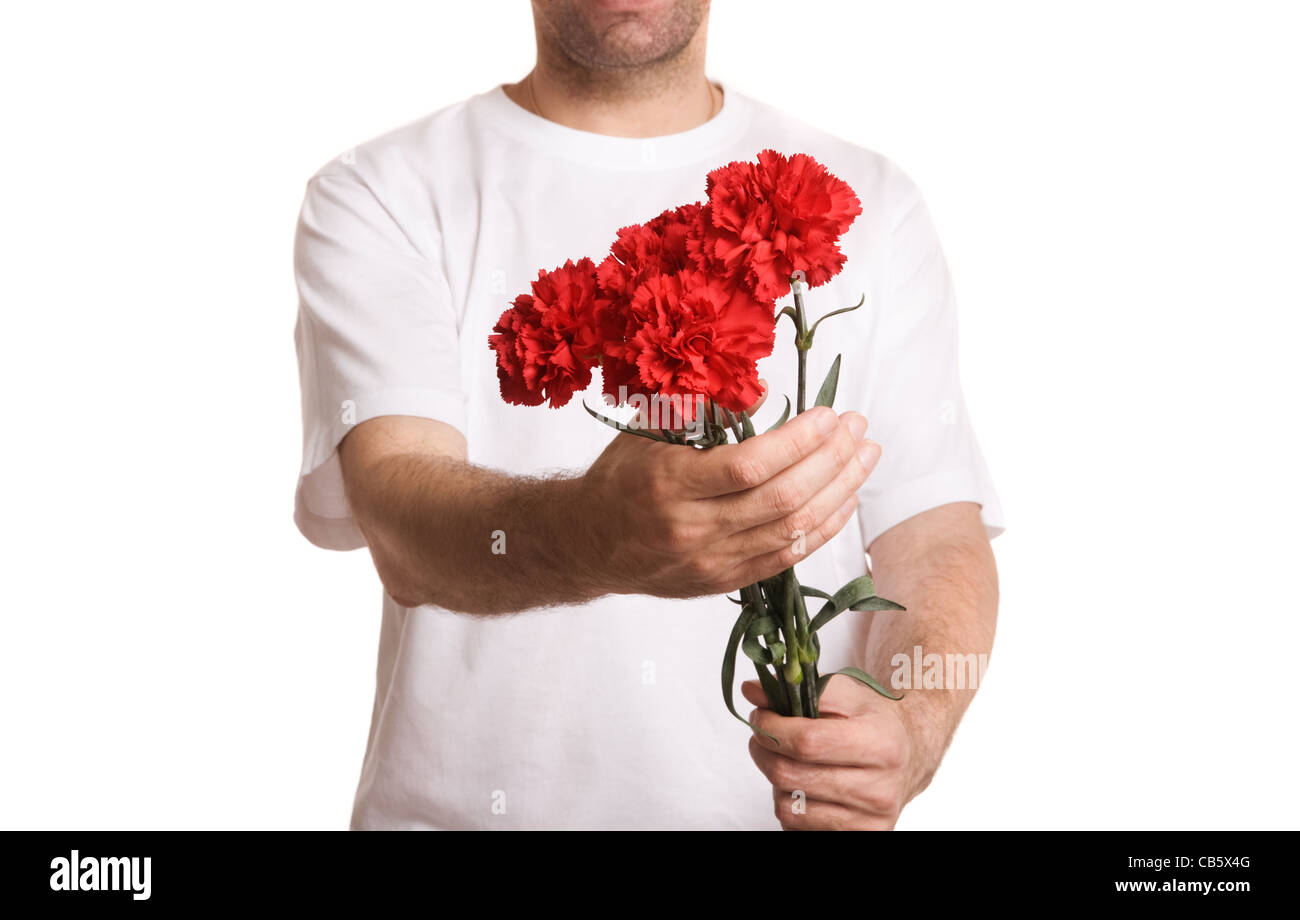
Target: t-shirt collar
column 630, row 153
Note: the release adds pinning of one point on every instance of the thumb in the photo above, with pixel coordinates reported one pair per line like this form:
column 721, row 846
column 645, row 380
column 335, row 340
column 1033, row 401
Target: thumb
column 753, row 691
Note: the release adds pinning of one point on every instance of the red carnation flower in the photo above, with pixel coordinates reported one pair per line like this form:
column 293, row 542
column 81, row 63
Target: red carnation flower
column 655, row 247
column 640, row 252
column 766, row 220
column 691, row 335
column 548, row 341
column 675, row 228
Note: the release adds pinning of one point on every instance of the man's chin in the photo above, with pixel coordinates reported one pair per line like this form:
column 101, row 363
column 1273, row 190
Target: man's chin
column 617, row 34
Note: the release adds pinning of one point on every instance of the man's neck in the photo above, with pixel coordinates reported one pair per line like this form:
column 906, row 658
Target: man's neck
column 666, row 97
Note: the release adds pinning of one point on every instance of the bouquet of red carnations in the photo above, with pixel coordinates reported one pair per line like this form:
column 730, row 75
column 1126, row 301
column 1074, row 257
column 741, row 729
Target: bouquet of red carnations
column 677, row 317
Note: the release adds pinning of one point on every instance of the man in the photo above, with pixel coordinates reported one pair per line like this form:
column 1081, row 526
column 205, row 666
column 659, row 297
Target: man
column 550, row 641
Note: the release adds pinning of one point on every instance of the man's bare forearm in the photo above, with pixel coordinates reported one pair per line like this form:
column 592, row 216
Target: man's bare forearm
column 941, row 567
column 644, row 518
column 475, row 540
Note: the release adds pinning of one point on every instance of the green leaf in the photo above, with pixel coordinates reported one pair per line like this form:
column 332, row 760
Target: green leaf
column 859, row 589
column 746, row 425
column 800, row 608
column 760, row 626
column 813, row 592
column 711, row 439
column 729, row 658
column 789, row 311
column 734, row 601
column 772, row 688
column 784, row 415
column 826, row 395
column 834, row 609
column 860, row 676
column 877, row 603
column 619, row 426
column 754, row 651
column 825, row 616
column 860, row 302
column 729, row 665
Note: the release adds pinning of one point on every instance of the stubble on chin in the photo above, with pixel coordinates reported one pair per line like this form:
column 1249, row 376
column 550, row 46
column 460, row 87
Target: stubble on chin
column 602, row 43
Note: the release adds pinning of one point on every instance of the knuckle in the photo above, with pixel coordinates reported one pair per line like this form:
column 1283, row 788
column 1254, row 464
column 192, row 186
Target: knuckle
column 801, row 522
column 803, row 444
column 891, row 752
column 786, row 557
column 787, row 496
column 715, row 578
column 785, row 774
column 881, row 801
column 658, row 488
column 806, row 745
column 743, row 471
column 679, row 538
column 828, row 529
column 702, row 572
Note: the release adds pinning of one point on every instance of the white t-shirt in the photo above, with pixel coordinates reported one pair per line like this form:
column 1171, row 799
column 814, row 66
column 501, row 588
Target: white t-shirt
column 607, row 714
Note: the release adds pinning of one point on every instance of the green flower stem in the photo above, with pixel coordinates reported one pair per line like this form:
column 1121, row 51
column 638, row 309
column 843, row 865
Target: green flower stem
column 796, row 674
column 807, row 653
column 734, row 424
column 789, row 692
column 793, row 669
column 803, row 650
column 802, row 343
column 810, row 681
column 753, row 595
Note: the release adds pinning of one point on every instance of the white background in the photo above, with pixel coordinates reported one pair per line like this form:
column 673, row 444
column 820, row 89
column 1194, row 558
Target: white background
column 1115, row 184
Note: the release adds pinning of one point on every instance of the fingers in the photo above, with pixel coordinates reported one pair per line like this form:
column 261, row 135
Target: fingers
column 735, row 468
column 793, row 488
column 793, row 551
column 752, row 690
column 832, row 741
column 803, row 813
column 844, row 696
column 860, row 789
column 809, row 518
column 818, row 781
column 863, row 792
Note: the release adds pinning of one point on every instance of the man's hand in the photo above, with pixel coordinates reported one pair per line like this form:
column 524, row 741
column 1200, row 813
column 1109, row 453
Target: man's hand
column 847, row 770
column 869, row 756
column 676, row 522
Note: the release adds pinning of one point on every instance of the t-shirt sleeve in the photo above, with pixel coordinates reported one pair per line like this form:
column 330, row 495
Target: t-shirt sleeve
column 913, row 396
column 377, row 334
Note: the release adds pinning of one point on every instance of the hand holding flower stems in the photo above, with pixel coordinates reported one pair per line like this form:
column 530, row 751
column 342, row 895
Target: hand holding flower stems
column 673, row 522
column 682, row 309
